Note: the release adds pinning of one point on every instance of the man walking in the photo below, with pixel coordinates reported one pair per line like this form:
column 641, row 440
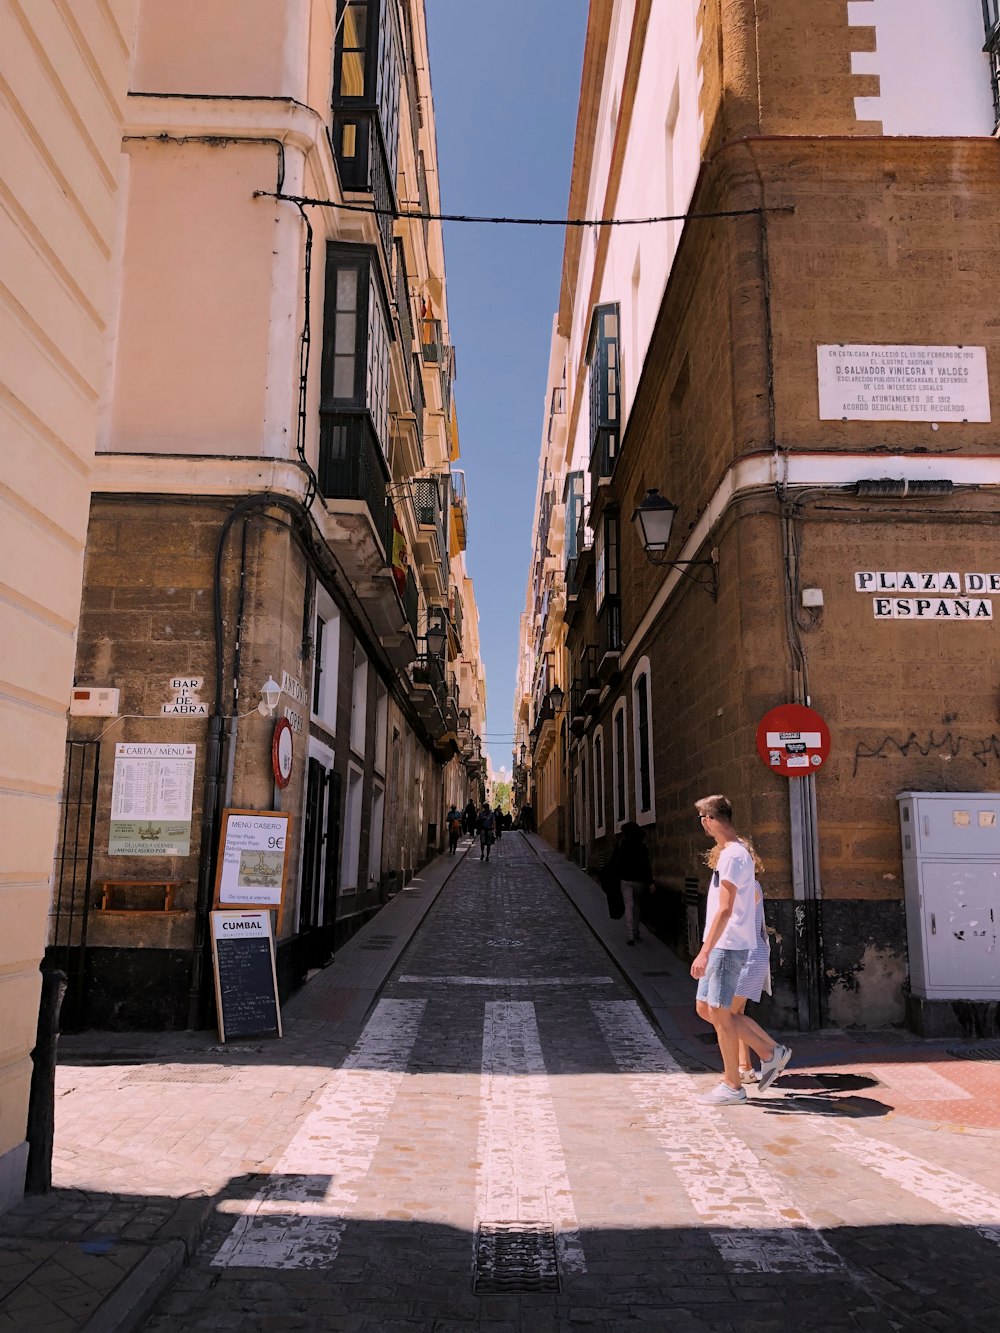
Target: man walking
column 730, row 934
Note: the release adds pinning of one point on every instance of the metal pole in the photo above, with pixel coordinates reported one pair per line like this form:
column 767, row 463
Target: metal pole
column 42, row 1097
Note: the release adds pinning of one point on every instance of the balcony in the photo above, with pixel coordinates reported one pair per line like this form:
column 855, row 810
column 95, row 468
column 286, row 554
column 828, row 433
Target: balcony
column 459, row 510
column 589, row 681
column 431, row 542
column 609, row 638
column 358, row 522
column 603, row 456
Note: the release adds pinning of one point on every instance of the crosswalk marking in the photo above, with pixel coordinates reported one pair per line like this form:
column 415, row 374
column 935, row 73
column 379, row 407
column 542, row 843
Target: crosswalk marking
column 507, row 981
column 522, row 1174
column 952, row 1194
column 298, row 1218
column 759, row 1228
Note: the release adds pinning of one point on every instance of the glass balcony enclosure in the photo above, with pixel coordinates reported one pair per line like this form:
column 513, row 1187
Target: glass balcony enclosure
column 367, row 70
column 604, row 361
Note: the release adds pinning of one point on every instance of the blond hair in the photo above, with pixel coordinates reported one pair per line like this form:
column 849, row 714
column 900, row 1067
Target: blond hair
column 711, row 857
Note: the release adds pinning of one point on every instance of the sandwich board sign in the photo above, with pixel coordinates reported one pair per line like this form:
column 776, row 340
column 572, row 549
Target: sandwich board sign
column 246, row 983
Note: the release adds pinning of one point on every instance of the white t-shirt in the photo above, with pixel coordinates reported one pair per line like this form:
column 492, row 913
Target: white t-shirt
column 736, row 866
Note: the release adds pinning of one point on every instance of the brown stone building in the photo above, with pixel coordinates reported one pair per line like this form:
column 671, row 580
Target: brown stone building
column 805, row 366
column 274, row 501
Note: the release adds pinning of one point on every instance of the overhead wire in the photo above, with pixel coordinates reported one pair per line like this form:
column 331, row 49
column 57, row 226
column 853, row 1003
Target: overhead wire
column 305, row 201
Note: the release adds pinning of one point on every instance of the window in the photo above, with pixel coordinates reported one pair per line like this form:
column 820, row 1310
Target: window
column 350, row 63
column 606, row 582
column 326, row 661
column 375, row 835
column 573, row 501
column 359, row 702
column 599, row 783
column 991, row 17
column 381, row 724
column 618, row 763
column 356, row 334
column 645, row 809
column 605, row 390
column 352, row 831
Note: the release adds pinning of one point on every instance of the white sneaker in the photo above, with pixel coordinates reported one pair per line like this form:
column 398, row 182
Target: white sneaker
column 723, row 1095
column 748, row 1074
column 770, row 1069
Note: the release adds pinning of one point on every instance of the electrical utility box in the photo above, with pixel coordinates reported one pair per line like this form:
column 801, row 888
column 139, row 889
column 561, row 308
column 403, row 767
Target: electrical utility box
column 951, row 886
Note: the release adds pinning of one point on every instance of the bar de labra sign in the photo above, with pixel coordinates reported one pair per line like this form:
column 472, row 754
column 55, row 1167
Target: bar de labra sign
column 940, row 597
column 902, row 383
column 151, row 800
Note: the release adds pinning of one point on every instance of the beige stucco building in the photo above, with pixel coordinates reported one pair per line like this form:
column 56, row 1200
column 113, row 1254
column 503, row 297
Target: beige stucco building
column 269, row 383
column 65, row 78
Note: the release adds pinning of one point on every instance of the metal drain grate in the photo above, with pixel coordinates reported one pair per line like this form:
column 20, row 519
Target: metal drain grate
column 975, row 1052
column 515, row 1256
column 192, row 1074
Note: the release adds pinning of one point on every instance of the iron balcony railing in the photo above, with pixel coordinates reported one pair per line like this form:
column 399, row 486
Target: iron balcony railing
column 426, row 669
column 352, row 467
column 432, row 341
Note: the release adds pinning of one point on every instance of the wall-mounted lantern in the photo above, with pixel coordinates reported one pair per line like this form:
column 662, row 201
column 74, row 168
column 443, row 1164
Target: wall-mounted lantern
column 654, row 519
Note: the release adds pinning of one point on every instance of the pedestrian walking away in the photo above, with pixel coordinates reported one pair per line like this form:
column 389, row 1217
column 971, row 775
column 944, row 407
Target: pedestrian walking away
column 498, row 823
column 486, row 825
column 630, row 865
column 471, row 814
column 453, row 822
column 730, row 935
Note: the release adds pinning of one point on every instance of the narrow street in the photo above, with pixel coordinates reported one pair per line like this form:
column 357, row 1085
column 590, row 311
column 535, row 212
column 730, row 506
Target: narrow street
column 506, row 1143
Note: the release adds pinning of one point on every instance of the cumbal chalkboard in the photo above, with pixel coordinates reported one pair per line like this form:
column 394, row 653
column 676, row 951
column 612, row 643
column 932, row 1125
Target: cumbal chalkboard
column 246, row 988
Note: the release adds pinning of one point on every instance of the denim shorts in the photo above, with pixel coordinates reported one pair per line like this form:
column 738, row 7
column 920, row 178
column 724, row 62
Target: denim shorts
column 718, row 986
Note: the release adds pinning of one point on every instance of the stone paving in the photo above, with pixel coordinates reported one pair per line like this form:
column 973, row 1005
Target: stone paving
column 504, row 1141
column 508, row 1082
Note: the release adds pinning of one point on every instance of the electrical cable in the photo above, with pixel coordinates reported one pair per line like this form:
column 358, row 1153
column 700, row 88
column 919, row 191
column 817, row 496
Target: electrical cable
column 305, row 201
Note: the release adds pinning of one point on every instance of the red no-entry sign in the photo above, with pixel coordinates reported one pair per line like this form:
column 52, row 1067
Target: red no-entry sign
column 793, row 739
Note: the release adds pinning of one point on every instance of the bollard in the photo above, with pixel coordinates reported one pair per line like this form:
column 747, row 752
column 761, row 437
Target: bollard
column 42, row 1098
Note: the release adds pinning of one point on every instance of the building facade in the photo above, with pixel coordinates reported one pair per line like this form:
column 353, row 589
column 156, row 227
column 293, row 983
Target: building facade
column 802, row 357
column 275, row 501
column 66, row 80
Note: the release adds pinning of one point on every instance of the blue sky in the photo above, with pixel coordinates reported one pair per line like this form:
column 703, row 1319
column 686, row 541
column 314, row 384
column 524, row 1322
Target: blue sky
column 506, row 80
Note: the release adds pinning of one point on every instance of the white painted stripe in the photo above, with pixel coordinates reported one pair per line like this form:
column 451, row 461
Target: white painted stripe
column 522, row 1173
column 507, row 981
column 760, row 1228
column 953, row 1194
column 919, row 1083
column 298, row 1223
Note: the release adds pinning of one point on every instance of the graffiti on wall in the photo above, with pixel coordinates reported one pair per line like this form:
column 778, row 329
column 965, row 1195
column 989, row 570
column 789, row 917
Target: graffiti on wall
column 947, row 745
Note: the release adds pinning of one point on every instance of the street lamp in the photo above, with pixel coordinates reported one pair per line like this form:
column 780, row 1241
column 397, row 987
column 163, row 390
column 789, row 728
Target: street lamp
column 524, row 752
column 270, row 693
column 436, row 637
column 654, row 519
column 556, row 697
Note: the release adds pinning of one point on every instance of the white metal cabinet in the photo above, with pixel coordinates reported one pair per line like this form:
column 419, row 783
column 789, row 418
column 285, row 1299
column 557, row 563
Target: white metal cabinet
column 951, row 882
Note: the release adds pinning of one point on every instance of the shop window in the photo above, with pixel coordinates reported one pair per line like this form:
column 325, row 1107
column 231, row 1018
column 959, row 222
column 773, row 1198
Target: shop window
column 359, row 702
column 599, row 783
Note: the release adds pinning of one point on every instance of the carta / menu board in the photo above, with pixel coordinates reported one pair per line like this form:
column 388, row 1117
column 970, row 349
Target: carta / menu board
column 246, row 984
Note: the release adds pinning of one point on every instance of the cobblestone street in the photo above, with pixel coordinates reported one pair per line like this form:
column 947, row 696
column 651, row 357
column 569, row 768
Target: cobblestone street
column 504, row 1142
column 507, row 1076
